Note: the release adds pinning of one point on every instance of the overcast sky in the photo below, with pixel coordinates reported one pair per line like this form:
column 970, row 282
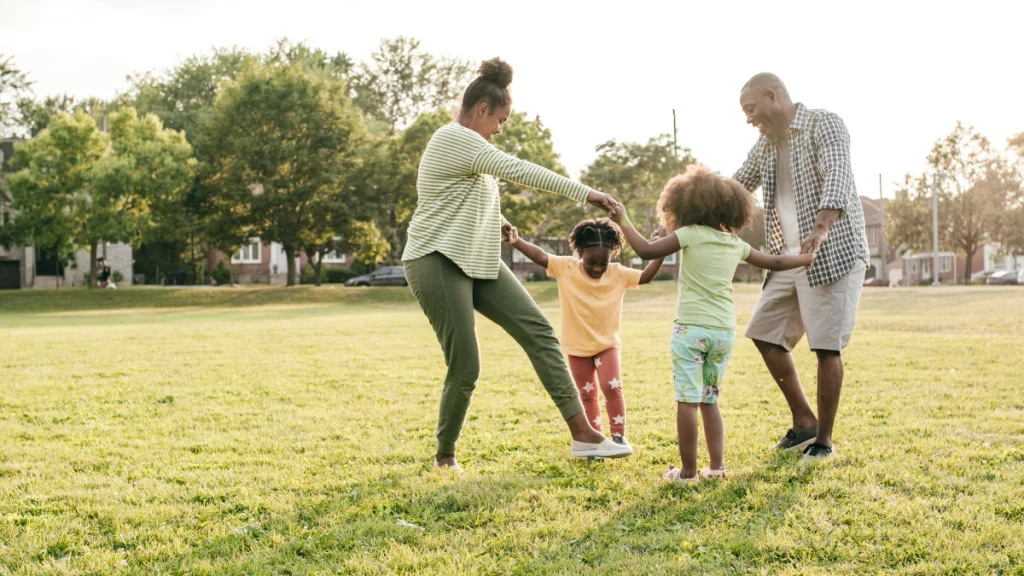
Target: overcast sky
column 900, row 73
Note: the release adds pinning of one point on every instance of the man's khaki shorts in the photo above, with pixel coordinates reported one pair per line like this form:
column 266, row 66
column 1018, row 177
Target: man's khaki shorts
column 788, row 307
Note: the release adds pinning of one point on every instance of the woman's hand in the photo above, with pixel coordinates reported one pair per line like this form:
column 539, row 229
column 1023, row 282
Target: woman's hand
column 602, row 200
column 618, row 214
column 509, row 233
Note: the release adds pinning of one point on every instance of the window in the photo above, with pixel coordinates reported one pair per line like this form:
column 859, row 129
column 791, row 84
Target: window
column 874, row 236
column 250, row 253
column 926, row 268
column 332, row 257
column 913, row 266
column 671, row 259
column 946, row 264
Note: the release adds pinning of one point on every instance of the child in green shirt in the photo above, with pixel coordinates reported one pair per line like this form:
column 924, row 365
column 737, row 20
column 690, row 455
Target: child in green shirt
column 705, row 211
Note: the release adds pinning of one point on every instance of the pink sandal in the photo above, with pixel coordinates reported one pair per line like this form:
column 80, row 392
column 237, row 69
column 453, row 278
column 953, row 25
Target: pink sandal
column 672, row 475
column 709, row 474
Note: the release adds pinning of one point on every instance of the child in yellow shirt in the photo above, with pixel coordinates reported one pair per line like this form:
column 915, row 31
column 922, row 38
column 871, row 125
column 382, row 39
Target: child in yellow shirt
column 590, row 292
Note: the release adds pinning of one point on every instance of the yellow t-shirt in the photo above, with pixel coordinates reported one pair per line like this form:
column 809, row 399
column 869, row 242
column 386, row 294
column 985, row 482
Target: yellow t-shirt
column 591, row 308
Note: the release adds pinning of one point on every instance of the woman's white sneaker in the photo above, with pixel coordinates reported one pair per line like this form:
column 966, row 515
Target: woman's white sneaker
column 605, row 449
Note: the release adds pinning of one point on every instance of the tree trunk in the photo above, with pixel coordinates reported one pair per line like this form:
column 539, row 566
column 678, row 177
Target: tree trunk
column 320, row 266
column 92, row 264
column 289, row 252
column 967, row 266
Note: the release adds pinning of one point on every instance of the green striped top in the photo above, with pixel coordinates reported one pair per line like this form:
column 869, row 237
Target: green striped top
column 457, row 210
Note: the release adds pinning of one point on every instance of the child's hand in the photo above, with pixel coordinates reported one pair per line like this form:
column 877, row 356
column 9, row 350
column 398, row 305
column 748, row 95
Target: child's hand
column 658, row 233
column 808, row 259
column 509, row 234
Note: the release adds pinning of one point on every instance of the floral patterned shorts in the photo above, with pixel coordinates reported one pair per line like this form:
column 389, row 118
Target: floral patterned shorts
column 699, row 358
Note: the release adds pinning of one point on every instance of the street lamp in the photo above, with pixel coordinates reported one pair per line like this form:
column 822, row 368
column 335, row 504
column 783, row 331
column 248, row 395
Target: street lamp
column 935, row 226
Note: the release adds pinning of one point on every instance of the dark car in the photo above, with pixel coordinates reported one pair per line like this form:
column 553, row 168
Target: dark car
column 1002, row 277
column 383, row 276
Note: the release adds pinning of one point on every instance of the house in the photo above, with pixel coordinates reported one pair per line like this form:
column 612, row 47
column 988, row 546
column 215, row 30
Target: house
column 260, row 263
column 880, row 254
column 31, row 267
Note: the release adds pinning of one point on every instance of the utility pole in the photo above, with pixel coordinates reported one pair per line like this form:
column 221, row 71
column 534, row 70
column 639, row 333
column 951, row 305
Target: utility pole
column 881, row 240
column 935, row 227
column 675, row 135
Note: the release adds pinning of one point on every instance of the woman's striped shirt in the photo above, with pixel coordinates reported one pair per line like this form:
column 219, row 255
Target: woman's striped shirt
column 457, row 212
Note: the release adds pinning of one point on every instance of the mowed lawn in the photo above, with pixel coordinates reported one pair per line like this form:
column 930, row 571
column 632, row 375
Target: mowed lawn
column 290, row 431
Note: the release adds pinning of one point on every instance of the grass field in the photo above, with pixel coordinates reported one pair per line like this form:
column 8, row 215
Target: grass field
column 273, row 431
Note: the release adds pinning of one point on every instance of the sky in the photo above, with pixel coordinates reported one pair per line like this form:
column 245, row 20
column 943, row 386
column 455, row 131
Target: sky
column 900, row 73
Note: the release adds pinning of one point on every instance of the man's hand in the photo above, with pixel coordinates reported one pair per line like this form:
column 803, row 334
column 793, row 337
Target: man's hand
column 601, row 200
column 814, row 241
column 819, row 233
column 509, row 234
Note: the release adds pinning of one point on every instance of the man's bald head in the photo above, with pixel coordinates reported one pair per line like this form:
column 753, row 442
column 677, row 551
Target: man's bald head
column 767, row 81
column 767, row 104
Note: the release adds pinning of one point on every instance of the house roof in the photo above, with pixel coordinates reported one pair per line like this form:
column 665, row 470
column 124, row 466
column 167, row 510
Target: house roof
column 872, row 207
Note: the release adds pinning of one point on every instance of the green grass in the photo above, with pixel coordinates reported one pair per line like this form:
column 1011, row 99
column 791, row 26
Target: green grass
column 273, row 431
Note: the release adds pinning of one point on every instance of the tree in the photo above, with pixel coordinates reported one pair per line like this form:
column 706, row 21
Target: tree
column 1011, row 228
column 979, row 188
column 138, row 182
column 400, row 82
column 50, row 185
column 14, row 85
column 635, row 174
column 278, row 145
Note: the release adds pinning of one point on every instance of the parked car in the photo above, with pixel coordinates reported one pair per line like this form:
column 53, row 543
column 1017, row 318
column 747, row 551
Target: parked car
column 383, row 276
column 876, row 282
column 1002, row 277
column 1020, row 278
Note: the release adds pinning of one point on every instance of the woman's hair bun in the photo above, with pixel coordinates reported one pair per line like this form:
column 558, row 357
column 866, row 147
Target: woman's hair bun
column 496, row 70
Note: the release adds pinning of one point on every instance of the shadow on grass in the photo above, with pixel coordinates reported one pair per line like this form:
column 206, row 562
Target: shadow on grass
column 679, row 522
column 362, row 525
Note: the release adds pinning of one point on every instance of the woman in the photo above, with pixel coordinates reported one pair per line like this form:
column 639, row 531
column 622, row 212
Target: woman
column 453, row 261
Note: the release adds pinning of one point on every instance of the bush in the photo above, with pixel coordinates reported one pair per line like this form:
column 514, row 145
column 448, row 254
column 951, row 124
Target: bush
column 541, row 276
column 331, row 275
column 221, row 275
column 117, row 277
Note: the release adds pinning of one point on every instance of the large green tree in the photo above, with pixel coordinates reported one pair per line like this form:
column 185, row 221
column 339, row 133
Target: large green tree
column 51, row 184
column 277, row 145
column 979, row 187
column 138, row 182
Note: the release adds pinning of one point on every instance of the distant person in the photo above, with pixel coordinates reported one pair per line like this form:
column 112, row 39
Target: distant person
column 453, row 261
column 590, row 292
column 802, row 164
column 103, row 278
column 704, row 211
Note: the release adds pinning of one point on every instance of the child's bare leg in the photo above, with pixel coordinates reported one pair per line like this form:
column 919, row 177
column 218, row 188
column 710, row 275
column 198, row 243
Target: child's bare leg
column 714, row 434
column 686, row 428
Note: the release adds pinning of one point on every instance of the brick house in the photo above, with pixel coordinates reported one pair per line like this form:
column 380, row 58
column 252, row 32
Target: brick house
column 260, row 263
column 31, row 267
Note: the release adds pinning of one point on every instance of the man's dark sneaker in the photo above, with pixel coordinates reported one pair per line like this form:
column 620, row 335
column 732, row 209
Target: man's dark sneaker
column 794, row 440
column 816, row 452
column 619, row 439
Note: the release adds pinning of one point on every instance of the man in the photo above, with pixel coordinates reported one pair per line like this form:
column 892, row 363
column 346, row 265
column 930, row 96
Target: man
column 802, row 164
